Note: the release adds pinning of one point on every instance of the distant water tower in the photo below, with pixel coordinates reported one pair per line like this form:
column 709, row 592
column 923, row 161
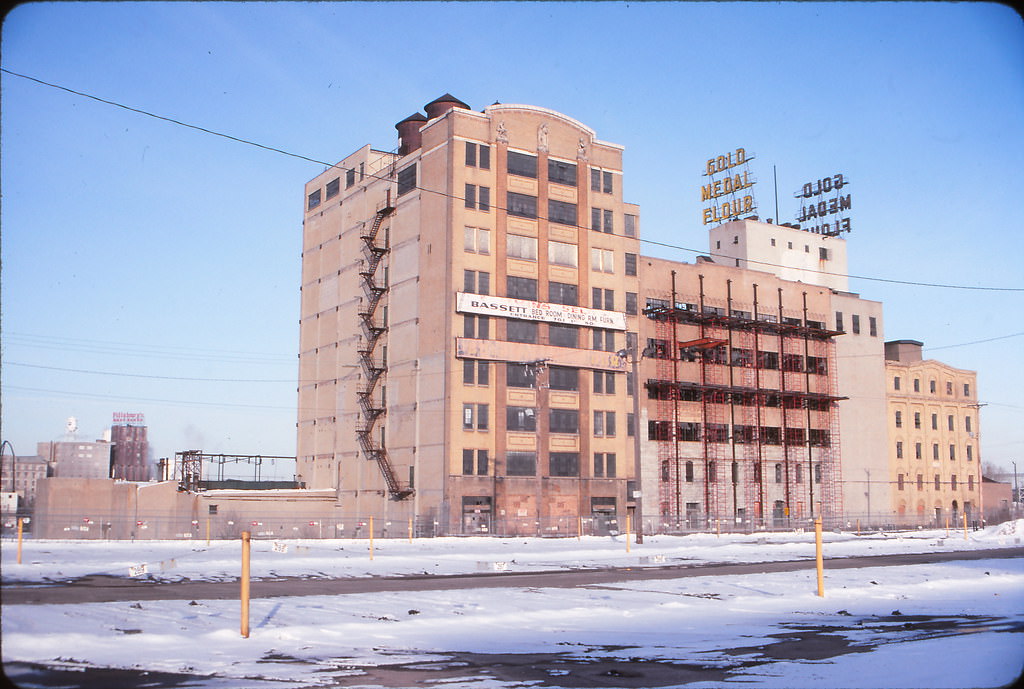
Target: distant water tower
column 71, row 428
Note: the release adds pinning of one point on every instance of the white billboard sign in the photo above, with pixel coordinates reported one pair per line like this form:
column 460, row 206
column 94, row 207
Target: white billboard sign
column 487, row 305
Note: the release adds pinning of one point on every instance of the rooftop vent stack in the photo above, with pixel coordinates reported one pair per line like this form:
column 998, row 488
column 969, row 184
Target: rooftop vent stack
column 409, row 136
column 441, row 105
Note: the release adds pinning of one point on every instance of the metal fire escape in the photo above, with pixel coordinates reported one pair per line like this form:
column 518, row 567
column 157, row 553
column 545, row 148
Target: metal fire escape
column 371, row 401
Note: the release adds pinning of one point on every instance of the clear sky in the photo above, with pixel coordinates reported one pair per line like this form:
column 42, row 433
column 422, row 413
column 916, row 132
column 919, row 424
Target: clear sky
column 169, row 258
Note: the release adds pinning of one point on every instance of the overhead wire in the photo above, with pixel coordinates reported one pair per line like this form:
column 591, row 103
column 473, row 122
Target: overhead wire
column 444, row 194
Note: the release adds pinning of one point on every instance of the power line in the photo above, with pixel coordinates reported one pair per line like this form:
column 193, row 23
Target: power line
column 459, row 198
column 142, row 375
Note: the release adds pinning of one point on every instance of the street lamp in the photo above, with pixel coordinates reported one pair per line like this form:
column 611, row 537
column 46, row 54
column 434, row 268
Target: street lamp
column 631, row 350
column 14, row 462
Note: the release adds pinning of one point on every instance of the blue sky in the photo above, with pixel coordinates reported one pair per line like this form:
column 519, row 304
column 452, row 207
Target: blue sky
column 171, row 256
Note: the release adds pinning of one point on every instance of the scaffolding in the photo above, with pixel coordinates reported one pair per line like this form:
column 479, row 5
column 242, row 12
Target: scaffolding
column 372, row 403
column 747, row 424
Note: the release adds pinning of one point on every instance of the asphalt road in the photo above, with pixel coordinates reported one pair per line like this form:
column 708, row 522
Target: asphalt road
column 103, row 589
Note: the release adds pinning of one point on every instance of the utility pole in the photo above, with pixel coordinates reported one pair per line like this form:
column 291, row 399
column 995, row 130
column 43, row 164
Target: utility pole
column 638, row 492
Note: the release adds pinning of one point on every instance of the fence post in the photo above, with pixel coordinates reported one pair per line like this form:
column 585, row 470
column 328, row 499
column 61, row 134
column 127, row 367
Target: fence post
column 410, row 529
column 371, row 538
column 579, row 528
column 627, row 531
column 207, row 531
column 21, row 527
column 246, row 547
column 818, row 557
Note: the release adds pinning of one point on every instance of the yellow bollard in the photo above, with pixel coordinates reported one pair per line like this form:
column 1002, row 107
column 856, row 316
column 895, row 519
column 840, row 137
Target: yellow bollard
column 965, row 526
column 410, row 529
column 627, row 532
column 371, row 538
column 246, row 547
column 21, row 527
column 947, row 527
column 818, row 557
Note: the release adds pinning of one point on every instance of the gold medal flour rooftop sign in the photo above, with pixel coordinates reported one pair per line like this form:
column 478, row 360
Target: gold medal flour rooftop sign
column 728, row 187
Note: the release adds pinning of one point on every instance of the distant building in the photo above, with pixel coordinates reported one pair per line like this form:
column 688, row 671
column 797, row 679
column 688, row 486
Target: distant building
column 130, row 452
column 997, row 500
column 21, row 475
column 934, row 458
column 77, row 458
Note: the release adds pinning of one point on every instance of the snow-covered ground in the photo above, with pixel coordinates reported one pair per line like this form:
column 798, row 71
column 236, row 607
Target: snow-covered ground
column 958, row 624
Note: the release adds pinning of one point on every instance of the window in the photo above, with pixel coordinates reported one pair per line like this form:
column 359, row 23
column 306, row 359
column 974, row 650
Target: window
column 561, row 212
column 952, row 453
column 521, row 419
column 872, row 326
column 920, row 482
column 563, row 335
column 313, row 200
column 604, row 424
column 562, row 293
column 768, row 360
column 521, row 205
column 407, row 179
column 350, row 177
column 917, row 419
column 595, row 219
column 478, row 198
column 950, row 422
column 631, row 306
column 522, row 164
column 935, row 422
column 742, row 357
column 521, row 288
column 561, row 172
column 899, row 419
column 770, row 435
column 604, row 340
column 899, row 449
column 609, row 227
column 822, row 253
column 602, row 260
column 917, row 451
column 935, row 452
column 949, row 387
column 970, row 482
column 938, row 482
column 564, row 464
column 630, row 424
column 476, row 282
column 561, row 378
column 917, row 385
column 931, row 386
column 855, row 323
column 483, row 160
column 478, row 240
column 629, row 225
column 476, row 372
column 521, row 463
column 967, row 389
column 334, row 187
column 477, row 467
column 600, row 181
column 603, row 299
column 743, row 434
column 896, row 383
column 474, row 417
column 519, row 246
column 899, row 482
column 794, row 436
column 967, row 424
column 952, row 481
column 839, row 323
column 819, row 437
column 712, row 472
column 604, row 464
column 604, row 382
column 793, row 363
column 520, row 376
column 778, row 473
column 799, row 473
column 521, row 331
column 562, row 254
column 630, row 264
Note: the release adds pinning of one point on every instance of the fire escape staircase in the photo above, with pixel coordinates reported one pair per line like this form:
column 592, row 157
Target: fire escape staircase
column 374, row 367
